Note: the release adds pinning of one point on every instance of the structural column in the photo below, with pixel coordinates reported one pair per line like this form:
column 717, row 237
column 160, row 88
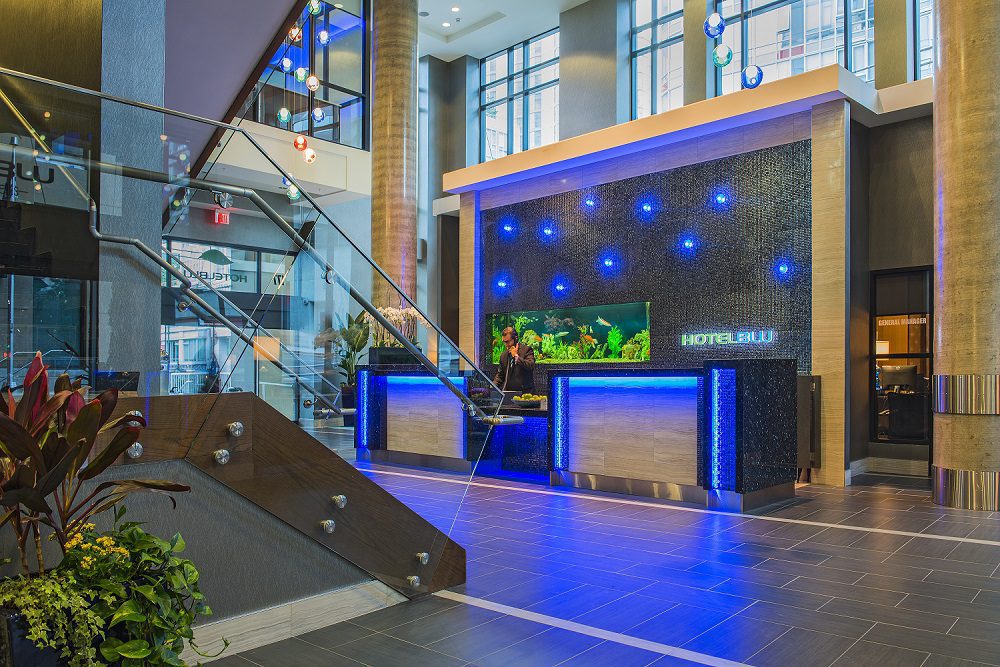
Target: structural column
column 966, row 461
column 394, row 147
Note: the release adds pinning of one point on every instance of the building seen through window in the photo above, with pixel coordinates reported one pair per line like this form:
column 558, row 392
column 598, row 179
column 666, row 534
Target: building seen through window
column 657, row 39
column 924, row 42
column 519, row 97
column 788, row 37
column 330, row 46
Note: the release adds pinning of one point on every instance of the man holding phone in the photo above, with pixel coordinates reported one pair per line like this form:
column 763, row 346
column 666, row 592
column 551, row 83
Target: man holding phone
column 517, row 364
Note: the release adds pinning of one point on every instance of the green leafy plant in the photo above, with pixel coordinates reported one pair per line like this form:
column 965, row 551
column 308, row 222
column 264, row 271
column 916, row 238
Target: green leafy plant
column 348, row 342
column 47, row 452
column 148, row 590
column 615, row 340
column 519, row 322
column 496, row 341
column 58, row 614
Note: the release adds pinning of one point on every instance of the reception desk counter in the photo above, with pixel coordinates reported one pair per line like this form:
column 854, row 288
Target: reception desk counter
column 722, row 435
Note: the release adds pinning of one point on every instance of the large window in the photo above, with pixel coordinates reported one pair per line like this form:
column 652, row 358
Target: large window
column 519, row 97
column 331, row 46
column 788, row 37
column 924, row 38
column 901, row 361
column 657, row 56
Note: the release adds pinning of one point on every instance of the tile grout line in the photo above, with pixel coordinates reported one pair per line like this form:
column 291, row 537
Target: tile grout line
column 591, row 631
column 679, row 508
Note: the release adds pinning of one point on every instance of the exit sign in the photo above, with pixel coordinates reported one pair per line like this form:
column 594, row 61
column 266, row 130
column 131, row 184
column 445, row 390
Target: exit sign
column 221, row 217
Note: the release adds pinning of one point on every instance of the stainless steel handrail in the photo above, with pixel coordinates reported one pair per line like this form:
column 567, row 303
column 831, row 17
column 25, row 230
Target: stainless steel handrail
column 235, row 128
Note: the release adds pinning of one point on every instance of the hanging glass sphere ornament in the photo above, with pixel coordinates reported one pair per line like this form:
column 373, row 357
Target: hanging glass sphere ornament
column 312, row 83
column 323, row 37
column 286, row 65
column 715, row 25
column 309, row 155
column 752, row 76
column 301, row 74
column 300, row 143
column 315, row 7
column 722, row 55
column 284, row 115
column 295, row 34
column 319, row 115
column 286, row 182
column 292, row 193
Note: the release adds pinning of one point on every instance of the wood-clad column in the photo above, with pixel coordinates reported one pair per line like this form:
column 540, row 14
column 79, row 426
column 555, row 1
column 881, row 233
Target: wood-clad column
column 831, row 122
column 894, row 52
column 698, row 67
column 966, row 461
column 468, row 275
column 394, row 146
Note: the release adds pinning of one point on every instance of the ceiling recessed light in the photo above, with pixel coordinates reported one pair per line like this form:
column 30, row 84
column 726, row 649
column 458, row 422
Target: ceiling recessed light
column 424, row 14
column 445, row 25
column 456, row 9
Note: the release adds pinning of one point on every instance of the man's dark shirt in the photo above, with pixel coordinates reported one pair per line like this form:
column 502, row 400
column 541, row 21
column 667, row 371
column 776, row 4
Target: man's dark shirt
column 521, row 374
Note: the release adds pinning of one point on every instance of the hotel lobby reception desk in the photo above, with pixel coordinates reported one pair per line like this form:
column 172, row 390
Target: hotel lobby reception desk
column 723, row 435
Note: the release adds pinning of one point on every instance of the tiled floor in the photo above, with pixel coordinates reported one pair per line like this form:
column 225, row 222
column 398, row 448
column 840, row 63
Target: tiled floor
column 871, row 575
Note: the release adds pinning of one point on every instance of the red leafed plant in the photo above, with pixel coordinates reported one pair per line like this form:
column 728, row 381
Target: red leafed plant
column 47, row 456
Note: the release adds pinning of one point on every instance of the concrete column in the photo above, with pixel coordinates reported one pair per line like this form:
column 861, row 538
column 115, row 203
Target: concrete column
column 893, row 42
column 698, row 68
column 394, row 146
column 966, row 460
column 594, row 67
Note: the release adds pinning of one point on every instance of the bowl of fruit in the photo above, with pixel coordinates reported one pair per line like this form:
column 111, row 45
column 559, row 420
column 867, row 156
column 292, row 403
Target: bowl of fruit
column 528, row 401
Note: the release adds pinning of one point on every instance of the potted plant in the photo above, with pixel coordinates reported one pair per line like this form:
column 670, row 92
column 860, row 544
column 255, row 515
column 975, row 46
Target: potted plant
column 84, row 611
column 348, row 344
column 386, row 348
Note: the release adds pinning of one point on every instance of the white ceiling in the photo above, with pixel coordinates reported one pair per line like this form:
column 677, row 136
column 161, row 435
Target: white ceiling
column 483, row 27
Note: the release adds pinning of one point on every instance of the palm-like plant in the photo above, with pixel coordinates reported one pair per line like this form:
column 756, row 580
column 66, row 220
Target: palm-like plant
column 47, row 455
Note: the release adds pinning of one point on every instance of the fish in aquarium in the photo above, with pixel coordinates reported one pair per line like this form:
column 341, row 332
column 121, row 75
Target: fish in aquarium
column 553, row 323
column 603, row 322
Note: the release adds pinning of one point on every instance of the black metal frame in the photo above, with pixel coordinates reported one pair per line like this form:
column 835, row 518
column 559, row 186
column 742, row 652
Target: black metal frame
column 655, row 45
column 929, row 355
column 916, row 41
column 523, row 95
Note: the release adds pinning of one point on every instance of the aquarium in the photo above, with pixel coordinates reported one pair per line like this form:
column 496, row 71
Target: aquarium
column 586, row 334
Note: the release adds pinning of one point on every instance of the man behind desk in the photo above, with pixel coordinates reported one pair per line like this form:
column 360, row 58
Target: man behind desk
column 517, row 365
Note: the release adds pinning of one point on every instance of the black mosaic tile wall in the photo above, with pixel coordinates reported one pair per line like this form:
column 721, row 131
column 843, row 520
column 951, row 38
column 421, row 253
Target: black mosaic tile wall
column 729, row 280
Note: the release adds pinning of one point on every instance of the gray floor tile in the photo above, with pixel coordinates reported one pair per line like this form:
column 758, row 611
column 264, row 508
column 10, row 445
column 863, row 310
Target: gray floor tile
column 788, row 596
column 802, row 648
column 624, row 613
column 712, row 600
column 978, row 612
column 966, row 627
column 858, row 591
column 295, row 653
column 678, row 625
column 820, row 621
column 233, row 661
column 610, row 653
column 986, row 554
column 532, row 590
column 951, row 565
column 576, row 602
column 947, row 645
column 544, row 650
column 928, row 547
column 892, row 615
column 481, row 640
column 737, row 638
column 384, row 619
column 836, row 536
column 944, row 661
column 870, row 654
column 823, row 572
column 335, row 635
column 380, row 650
column 429, row 629
column 943, row 591
column 754, row 575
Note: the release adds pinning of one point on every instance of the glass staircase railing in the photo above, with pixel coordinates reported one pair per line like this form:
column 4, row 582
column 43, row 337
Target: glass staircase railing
column 250, row 286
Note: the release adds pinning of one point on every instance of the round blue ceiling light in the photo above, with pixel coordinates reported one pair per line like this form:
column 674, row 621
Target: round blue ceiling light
column 751, row 76
column 715, row 25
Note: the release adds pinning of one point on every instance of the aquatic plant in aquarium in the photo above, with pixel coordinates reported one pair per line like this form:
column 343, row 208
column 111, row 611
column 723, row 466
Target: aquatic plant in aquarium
column 586, row 334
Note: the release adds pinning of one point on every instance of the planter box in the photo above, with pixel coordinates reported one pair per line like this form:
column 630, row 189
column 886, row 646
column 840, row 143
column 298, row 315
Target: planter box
column 16, row 650
column 392, row 356
column 347, row 401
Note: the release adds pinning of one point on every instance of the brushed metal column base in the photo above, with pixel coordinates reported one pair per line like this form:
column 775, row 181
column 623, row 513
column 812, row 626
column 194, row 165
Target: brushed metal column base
column 414, row 460
column 630, row 487
column 966, row 489
column 731, row 501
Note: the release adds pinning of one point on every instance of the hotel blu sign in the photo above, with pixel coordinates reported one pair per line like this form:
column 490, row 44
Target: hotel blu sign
column 727, row 338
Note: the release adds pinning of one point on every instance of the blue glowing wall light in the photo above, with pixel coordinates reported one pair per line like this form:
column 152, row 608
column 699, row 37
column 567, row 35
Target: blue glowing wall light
column 558, row 408
column 590, row 203
column 502, row 284
column 609, row 263
column 722, row 429
column 507, row 227
column 688, row 245
column 720, row 199
column 783, row 269
column 548, row 231
column 561, row 287
column 647, row 207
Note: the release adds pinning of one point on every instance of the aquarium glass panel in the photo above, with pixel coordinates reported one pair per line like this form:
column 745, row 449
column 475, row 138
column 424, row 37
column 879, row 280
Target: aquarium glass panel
column 586, row 334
